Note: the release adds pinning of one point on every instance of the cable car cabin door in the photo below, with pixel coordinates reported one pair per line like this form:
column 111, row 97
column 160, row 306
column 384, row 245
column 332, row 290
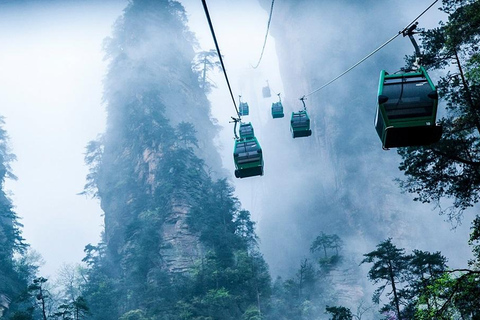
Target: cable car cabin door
column 407, row 110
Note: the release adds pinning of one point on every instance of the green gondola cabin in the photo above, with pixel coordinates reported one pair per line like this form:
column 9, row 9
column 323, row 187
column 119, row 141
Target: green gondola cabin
column 243, row 109
column 300, row 124
column 277, row 110
column 407, row 110
column 248, row 158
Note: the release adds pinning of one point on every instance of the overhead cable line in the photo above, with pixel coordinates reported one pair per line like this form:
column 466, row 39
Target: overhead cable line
column 219, row 55
column 266, row 35
column 372, row 53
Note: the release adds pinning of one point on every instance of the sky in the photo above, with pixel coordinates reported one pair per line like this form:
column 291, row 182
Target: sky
column 52, row 68
column 51, row 71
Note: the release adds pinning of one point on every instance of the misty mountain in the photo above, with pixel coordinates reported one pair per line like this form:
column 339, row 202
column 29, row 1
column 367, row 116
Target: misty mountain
column 176, row 240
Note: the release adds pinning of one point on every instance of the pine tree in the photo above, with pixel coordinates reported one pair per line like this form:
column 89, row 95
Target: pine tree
column 390, row 265
column 15, row 272
column 206, row 61
column 339, row 313
column 451, row 167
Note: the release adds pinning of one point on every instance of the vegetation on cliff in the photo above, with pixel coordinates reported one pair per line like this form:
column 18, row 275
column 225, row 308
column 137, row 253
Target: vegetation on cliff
column 177, row 244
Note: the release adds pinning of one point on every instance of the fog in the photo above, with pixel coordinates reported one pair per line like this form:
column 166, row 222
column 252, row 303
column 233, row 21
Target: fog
column 52, row 67
column 320, row 184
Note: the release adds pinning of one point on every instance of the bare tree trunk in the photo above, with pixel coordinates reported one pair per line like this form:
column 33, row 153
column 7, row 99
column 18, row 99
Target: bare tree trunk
column 44, row 313
column 395, row 296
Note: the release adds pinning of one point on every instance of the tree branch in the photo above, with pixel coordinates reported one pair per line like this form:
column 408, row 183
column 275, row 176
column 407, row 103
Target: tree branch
column 456, row 158
column 469, row 272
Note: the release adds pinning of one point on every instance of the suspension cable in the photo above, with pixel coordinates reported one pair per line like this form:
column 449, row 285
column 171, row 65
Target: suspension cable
column 220, row 55
column 266, row 35
column 372, row 53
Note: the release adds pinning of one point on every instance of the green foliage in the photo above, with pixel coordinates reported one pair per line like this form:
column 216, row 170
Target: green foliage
column 15, row 271
column 390, row 265
column 10, row 234
column 21, row 315
column 450, row 296
column 450, row 168
column 245, row 281
column 339, row 313
column 156, row 191
column 75, row 310
column 305, row 295
column 41, row 294
column 134, row 315
column 5, row 156
column 186, row 133
column 221, row 223
column 93, row 157
column 252, row 313
column 328, row 244
column 204, row 62
column 428, row 289
column 325, row 242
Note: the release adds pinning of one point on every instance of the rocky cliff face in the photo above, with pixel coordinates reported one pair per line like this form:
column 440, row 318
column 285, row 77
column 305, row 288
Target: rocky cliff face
column 181, row 247
column 339, row 180
column 346, row 178
column 152, row 97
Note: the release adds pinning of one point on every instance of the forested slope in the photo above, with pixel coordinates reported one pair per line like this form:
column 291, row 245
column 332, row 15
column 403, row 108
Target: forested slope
column 14, row 274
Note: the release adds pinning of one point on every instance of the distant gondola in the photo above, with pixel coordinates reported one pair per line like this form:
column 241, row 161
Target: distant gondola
column 266, row 91
column 407, row 110
column 243, row 109
column 277, row 109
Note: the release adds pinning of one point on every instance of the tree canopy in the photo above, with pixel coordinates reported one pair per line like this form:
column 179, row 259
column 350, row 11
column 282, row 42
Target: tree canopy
column 451, row 167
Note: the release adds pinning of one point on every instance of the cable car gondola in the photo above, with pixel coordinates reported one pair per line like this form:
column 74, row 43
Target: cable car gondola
column 247, row 153
column 266, row 91
column 407, row 106
column 248, row 158
column 243, row 109
column 300, row 123
column 407, row 110
column 277, row 109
